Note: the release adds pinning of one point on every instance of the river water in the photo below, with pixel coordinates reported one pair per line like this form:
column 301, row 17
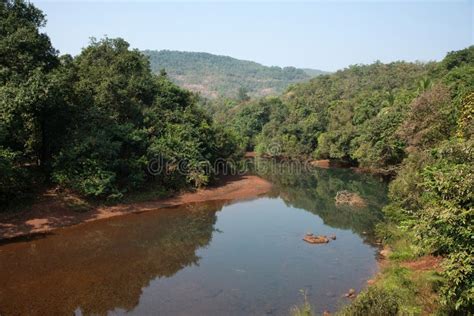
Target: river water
column 218, row 258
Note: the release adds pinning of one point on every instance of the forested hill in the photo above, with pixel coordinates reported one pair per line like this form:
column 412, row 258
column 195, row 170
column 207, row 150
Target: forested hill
column 214, row 75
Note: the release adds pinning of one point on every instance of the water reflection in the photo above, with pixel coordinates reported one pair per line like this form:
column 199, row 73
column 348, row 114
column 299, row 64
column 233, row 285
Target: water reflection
column 209, row 258
column 103, row 265
column 314, row 190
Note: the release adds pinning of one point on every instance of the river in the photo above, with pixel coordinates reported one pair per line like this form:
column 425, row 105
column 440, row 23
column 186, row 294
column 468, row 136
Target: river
column 215, row 258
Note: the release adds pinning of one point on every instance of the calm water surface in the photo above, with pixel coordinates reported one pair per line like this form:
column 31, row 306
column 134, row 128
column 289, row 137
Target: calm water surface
column 219, row 258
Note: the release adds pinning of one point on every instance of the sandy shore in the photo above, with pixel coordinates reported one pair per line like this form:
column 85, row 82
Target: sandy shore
column 50, row 213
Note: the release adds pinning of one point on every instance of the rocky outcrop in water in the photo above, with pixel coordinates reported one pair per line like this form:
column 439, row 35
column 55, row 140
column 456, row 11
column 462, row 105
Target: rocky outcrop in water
column 316, row 239
column 313, row 239
column 349, row 198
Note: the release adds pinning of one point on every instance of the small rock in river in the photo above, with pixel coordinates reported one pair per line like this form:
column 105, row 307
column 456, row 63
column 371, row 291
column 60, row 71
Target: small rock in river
column 316, row 239
column 351, row 293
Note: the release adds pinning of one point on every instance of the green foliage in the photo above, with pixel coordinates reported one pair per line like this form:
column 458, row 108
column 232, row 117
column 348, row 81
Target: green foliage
column 397, row 291
column 242, row 95
column 335, row 143
column 13, row 179
column 105, row 153
column 22, row 47
column 93, row 123
column 432, row 197
column 351, row 115
column 374, row 301
column 31, row 86
column 303, row 310
column 130, row 117
column 412, row 118
column 225, row 76
column 428, row 120
column 466, row 118
column 458, row 289
column 251, row 118
column 406, row 189
column 459, row 58
column 447, row 218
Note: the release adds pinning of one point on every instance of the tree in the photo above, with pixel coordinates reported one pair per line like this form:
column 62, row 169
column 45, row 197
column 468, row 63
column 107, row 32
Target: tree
column 22, row 47
column 428, row 120
column 105, row 155
column 242, row 94
column 31, row 96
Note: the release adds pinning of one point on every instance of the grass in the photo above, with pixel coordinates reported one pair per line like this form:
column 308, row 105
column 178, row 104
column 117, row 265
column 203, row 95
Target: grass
column 304, row 309
column 399, row 290
column 403, row 249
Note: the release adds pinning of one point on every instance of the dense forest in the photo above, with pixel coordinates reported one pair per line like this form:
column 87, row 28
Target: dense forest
column 413, row 121
column 93, row 122
column 221, row 76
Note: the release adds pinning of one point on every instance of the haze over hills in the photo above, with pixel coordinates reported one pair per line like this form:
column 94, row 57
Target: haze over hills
column 215, row 75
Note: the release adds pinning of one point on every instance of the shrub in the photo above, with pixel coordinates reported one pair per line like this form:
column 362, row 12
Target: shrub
column 375, row 301
column 14, row 179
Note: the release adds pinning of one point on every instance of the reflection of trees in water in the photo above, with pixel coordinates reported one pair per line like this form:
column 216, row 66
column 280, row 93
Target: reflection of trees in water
column 315, row 191
column 103, row 265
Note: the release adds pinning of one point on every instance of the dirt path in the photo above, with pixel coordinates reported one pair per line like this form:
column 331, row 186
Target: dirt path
column 425, row 263
column 50, row 212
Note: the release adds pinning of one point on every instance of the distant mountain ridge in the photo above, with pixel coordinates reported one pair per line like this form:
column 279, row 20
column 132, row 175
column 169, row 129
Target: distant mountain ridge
column 216, row 75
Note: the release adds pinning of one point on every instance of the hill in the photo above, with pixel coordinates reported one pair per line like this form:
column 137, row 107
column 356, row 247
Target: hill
column 314, row 72
column 214, row 75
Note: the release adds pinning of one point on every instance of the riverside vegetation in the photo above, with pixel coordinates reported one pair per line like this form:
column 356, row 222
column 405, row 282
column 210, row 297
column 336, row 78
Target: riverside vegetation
column 91, row 123
column 413, row 121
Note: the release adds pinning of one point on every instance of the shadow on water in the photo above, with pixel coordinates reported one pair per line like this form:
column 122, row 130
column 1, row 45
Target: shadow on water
column 25, row 238
column 102, row 265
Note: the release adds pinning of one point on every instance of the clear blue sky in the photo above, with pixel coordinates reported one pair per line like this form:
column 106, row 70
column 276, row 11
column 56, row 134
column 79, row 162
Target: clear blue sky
column 326, row 35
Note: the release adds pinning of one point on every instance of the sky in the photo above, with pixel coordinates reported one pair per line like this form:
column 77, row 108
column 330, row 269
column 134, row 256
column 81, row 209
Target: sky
column 326, row 35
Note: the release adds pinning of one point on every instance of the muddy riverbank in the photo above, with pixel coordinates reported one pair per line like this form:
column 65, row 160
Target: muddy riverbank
column 50, row 213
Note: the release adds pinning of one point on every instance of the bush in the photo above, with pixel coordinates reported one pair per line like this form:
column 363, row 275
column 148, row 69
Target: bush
column 14, row 180
column 458, row 286
column 447, row 218
column 375, row 301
